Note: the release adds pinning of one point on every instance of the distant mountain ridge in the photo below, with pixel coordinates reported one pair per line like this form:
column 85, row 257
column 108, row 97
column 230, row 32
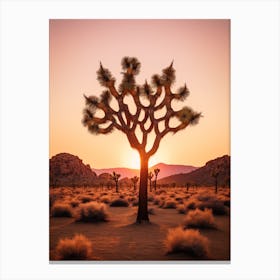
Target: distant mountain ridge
column 69, row 170
column 202, row 176
column 165, row 170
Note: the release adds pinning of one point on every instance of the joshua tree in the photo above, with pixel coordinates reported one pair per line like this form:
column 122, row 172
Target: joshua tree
column 215, row 172
column 115, row 177
column 150, row 177
column 156, row 171
column 134, row 181
column 128, row 122
column 188, row 184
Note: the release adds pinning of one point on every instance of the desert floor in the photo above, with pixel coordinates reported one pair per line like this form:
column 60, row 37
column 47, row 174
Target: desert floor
column 120, row 238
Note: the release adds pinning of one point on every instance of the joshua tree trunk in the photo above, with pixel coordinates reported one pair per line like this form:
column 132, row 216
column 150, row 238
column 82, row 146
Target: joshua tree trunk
column 216, row 184
column 143, row 196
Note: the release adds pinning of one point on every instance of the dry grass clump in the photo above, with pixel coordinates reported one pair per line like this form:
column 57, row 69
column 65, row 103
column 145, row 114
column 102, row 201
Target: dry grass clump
column 105, row 199
column 181, row 208
column 74, row 203
column 199, row 219
column 191, row 204
column 159, row 192
column 86, row 198
column 169, row 204
column 188, row 241
column 54, row 196
column 159, row 200
column 218, row 207
column 92, row 212
column 119, row 202
column 61, row 209
column 76, row 248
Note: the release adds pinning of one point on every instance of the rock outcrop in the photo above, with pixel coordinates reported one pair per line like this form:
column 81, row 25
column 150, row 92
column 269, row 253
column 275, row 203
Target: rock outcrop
column 69, row 170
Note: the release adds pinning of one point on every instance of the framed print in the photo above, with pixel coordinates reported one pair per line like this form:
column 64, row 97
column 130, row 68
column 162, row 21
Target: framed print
column 162, row 193
column 59, row 59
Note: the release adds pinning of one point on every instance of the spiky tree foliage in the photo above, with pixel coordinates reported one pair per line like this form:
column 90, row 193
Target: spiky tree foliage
column 156, row 171
column 126, row 122
column 134, row 181
column 115, row 177
column 150, row 177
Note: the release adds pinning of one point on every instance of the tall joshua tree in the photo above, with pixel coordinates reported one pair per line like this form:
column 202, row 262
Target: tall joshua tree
column 127, row 122
column 115, row 177
column 156, row 171
column 134, row 181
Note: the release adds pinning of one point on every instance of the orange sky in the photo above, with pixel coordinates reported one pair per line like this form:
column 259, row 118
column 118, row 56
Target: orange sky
column 201, row 53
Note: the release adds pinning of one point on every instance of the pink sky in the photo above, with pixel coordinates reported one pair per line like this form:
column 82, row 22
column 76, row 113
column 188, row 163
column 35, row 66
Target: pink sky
column 201, row 53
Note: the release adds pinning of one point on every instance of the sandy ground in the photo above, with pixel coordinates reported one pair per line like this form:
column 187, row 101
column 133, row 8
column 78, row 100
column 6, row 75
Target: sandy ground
column 121, row 239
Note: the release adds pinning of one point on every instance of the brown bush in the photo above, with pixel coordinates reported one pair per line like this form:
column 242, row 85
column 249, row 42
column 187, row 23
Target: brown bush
column 61, row 209
column 76, row 248
column 199, row 219
column 188, row 241
column 92, row 212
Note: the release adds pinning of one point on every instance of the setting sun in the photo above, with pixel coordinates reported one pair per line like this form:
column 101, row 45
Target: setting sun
column 132, row 159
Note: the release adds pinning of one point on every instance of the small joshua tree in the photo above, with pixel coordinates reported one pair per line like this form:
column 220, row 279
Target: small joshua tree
column 150, row 177
column 115, row 177
column 188, row 184
column 215, row 172
column 134, row 181
column 127, row 122
column 156, row 171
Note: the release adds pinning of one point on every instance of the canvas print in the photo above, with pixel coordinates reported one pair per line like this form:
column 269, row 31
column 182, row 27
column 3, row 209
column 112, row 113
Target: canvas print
column 139, row 157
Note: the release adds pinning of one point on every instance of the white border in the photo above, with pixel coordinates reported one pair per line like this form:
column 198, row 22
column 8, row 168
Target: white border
column 254, row 139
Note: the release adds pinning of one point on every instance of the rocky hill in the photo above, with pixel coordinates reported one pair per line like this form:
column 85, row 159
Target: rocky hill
column 202, row 176
column 69, row 170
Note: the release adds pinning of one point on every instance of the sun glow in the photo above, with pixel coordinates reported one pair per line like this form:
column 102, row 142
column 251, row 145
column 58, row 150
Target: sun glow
column 132, row 160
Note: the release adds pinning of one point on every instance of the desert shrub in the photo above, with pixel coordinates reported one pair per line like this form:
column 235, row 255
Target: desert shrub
column 199, row 219
column 60, row 209
column 169, row 204
column 188, row 241
column 105, row 199
column 86, row 198
column 181, row 208
column 218, row 207
column 92, row 212
column 119, row 202
column 53, row 198
column 157, row 200
column 74, row 203
column 191, row 204
column 159, row 192
column 103, row 193
column 179, row 199
column 76, row 248
column 206, row 196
